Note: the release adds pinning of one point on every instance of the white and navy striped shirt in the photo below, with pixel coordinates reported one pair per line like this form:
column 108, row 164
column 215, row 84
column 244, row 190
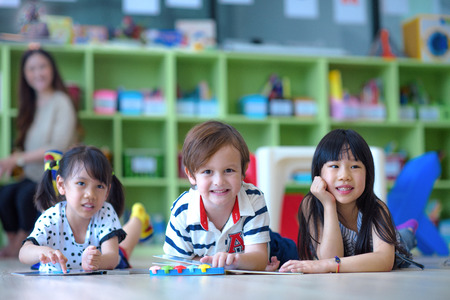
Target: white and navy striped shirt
column 248, row 224
column 349, row 237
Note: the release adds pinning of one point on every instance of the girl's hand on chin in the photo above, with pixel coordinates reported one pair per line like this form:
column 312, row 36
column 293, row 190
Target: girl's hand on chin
column 319, row 189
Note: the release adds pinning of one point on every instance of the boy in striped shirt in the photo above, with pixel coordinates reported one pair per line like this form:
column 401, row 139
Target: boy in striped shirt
column 221, row 220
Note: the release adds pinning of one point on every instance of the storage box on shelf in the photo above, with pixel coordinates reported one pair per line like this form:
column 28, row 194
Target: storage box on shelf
column 434, row 80
column 230, row 77
column 357, row 73
column 430, row 84
column 247, row 74
column 143, row 163
column 198, row 82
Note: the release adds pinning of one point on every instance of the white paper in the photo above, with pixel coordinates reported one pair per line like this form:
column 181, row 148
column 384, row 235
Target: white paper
column 236, row 2
column 192, row 4
column 350, row 11
column 395, row 8
column 308, row 9
column 9, row 3
column 141, row 7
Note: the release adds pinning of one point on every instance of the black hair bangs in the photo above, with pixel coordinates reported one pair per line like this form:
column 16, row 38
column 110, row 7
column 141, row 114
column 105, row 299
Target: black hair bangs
column 94, row 162
column 336, row 145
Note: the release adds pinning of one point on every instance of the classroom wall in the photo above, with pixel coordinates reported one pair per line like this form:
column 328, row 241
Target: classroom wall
column 263, row 21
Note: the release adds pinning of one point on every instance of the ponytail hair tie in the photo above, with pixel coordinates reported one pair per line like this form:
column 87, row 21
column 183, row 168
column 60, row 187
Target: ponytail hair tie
column 51, row 162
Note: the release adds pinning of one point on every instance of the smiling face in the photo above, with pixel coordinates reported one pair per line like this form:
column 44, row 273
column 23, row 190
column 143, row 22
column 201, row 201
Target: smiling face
column 85, row 195
column 38, row 73
column 345, row 178
column 219, row 179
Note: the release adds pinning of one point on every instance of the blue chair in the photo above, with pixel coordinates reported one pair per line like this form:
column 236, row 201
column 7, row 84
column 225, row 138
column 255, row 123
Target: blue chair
column 409, row 196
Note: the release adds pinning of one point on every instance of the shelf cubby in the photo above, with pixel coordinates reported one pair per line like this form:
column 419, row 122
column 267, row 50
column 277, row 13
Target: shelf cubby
column 230, row 76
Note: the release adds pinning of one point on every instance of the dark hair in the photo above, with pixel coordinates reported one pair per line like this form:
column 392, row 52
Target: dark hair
column 205, row 139
column 27, row 95
column 332, row 147
column 96, row 165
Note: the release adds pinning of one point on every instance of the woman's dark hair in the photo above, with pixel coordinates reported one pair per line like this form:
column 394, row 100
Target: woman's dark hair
column 97, row 166
column 333, row 147
column 27, row 95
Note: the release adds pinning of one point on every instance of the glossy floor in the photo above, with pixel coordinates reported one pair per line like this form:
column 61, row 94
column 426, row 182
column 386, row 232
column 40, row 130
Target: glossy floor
column 412, row 283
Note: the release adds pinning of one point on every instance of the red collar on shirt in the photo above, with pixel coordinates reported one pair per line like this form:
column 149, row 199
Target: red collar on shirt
column 204, row 218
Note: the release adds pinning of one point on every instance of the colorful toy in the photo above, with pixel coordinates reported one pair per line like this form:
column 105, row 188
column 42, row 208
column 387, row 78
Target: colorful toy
column 128, row 29
column 335, row 80
column 181, row 270
column 30, row 20
column 426, row 37
column 406, row 201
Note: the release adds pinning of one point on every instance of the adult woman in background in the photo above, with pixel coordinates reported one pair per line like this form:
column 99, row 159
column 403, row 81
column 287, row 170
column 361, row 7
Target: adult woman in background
column 47, row 119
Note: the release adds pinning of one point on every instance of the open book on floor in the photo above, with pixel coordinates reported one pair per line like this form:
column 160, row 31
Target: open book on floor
column 189, row 262
column 75, row 272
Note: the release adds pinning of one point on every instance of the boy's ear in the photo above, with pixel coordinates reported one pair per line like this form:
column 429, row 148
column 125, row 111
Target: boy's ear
column 190, row 177
column 60, row 185
column 244, row 171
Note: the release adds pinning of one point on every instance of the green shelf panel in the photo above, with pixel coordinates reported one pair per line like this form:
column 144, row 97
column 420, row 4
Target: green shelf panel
column 152, row 197
column 230, row 77
column 93, row 116
column 150, row 182
column 129, row 71
column 11, row 123
column 300, row 135
column 192, row 69
column 293, row 187
column 14, row 73
column 354, row 75
column 435, row 79
column 443, row 197
column 4, row 151
column 248, row 74
column 183, row 127
column 256, row 134
column 144, row 133
column 404, row 137
column 98, row 132
column 183, row 183
column 374, row 125
column 184, row 187
column 438, row 139
column 442, row 184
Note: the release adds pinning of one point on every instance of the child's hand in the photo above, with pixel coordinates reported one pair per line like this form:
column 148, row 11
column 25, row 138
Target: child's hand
column 319, row 189
column 221, row 260
column 53, row 256
column 273, row 265
column 91, row 259
column 308, row 266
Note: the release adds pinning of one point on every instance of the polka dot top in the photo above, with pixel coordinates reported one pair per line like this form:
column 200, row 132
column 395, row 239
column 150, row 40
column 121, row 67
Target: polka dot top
column 52, row 229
